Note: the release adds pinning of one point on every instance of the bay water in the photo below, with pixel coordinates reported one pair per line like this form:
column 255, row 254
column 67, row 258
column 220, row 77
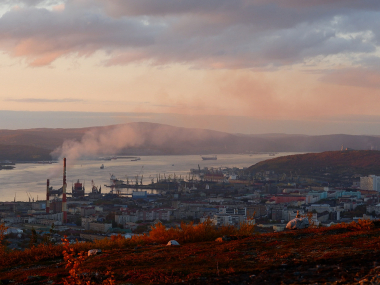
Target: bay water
column 29, row 179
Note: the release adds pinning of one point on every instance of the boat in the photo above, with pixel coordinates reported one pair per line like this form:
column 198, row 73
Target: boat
column 114, row 181
column 209, row 157
column 77, row 189
column 94, row 189
column 136, row 159
column 102, row 166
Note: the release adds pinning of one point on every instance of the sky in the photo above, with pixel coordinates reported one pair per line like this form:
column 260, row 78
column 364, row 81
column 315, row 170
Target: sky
column 259, row 66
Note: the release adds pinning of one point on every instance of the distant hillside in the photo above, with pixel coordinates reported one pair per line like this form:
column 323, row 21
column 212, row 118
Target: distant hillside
column 23, row 153
column 163, row 139
column 43, row 138
column 364, row 162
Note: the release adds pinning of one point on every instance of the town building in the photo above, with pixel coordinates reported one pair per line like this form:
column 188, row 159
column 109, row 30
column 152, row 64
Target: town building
column 371, row 182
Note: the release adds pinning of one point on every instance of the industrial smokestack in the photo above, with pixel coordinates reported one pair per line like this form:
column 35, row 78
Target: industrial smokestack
column 47, row 197
column 64, row 206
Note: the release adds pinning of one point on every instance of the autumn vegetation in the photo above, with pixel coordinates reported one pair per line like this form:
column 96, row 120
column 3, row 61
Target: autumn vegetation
column 146, row 259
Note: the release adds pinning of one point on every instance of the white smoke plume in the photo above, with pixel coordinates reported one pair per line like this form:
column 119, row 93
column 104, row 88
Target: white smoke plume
column 111, row 140
column 97, row 142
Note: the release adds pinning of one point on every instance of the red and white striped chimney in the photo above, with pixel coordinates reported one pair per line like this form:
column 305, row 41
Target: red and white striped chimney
column 64, row 206
column 47, row 197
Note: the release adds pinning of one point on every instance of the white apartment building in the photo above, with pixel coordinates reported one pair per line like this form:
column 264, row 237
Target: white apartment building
column 222, row 220
column 371, row 182
column 319, row 208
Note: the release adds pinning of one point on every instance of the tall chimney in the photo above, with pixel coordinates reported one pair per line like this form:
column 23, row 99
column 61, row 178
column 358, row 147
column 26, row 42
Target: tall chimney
column 64, row 206
column 47, row 197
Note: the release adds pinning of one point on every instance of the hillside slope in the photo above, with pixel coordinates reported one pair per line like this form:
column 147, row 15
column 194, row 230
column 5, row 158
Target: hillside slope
column 341, row 254
column 364, row 162
column 23, row 153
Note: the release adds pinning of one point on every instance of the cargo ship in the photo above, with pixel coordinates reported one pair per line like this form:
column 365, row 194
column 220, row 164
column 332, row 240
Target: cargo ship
column 209, row 157
column 77, row 190
column 115, row 181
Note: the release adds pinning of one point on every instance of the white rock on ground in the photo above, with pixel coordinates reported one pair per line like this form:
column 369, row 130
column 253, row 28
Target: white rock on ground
column 94, row 252
column 298, row 223
column 173, row 242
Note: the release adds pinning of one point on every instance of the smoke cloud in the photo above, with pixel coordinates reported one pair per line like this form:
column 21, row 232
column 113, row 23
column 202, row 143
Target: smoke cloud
column 154, row 138
column 95, row 143
column 99, row 141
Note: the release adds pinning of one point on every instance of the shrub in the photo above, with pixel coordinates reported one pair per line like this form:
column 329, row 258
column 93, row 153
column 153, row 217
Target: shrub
column 205, row 231
column 77, row 275
column 246, row 228
column 359, row 225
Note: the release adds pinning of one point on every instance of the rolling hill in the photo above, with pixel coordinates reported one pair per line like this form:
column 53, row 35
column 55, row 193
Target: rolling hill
column 23, row 153
column 157, row 139
column 364, row 162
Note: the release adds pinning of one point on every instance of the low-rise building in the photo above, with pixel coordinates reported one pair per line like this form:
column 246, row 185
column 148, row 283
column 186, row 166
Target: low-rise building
column 100, row 227
column 319, row 208
column 259, row 210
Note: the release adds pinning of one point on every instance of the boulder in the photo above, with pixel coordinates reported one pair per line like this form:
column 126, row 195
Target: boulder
column 94, row 252
column 298, row 223
column 173, row 242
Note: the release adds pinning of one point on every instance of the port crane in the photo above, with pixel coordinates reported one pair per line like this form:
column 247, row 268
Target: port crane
column 29, row 196
column 137, row 176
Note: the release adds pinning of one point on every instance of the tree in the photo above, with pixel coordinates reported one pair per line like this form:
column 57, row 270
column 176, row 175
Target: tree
column 309, row 216
column 52, row 229
column 3, row 228
column 47, row 238
column 33, row 238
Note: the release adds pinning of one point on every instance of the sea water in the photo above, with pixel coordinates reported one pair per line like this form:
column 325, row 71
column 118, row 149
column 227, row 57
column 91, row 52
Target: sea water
column 29, row 179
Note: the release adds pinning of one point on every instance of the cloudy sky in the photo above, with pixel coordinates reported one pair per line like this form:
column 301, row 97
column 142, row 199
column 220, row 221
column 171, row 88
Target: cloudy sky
column 248, row 66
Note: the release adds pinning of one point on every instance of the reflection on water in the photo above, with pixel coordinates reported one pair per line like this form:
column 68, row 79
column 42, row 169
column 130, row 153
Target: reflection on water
column 32, row 177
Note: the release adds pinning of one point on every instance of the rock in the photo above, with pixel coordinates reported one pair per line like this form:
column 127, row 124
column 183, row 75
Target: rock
column 173, row 242
column 94, row 252
column 298, row 223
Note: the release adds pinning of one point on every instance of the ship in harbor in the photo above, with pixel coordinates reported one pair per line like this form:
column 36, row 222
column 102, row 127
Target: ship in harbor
column 136, row 159
column 213, row 157
column 115, row 182
column 77, row 189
